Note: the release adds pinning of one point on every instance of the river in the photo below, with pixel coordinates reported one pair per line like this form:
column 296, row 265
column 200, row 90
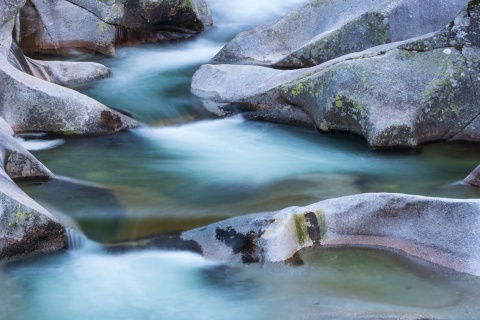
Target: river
column 187, row 169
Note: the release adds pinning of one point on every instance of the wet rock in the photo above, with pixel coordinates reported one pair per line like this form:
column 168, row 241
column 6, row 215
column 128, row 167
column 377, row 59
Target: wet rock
column 323, row 30
column 402, row 94
column 442, row 231
column 25, row 227
column 61, row 26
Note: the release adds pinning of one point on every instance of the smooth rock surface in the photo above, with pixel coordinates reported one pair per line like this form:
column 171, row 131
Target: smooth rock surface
column 64, row 73
column 323, row 30
column 29, row 104
column 32, row 105
column 442, row 231
column 402, row 94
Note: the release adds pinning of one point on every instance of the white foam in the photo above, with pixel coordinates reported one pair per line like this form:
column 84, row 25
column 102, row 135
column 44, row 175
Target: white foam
column 38, row 144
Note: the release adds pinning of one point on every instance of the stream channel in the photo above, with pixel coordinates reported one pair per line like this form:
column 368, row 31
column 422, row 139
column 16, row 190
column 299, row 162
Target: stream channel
column 187, row 169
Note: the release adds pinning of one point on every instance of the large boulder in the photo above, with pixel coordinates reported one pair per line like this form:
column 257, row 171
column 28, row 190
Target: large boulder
column 32, row 105
column 29, row 104
column 401, row 94
column 59, row 26
column 442, row 231
column 26, row 228
column 323, row 30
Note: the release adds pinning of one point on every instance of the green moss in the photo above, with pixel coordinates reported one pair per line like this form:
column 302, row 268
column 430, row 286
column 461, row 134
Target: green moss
column 103, row 26
column 322, row 223
column 454, row 108
column 338, row 102
column 298, row 89
column 301, row 230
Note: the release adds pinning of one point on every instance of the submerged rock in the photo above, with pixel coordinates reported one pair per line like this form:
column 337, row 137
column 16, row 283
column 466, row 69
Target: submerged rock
column 323, row 30
column 59, row 26
column 474, row 177
column 442, row 231
column 396, row 95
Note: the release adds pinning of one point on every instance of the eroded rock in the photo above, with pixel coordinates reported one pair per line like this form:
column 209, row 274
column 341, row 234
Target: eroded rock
column 442, row 231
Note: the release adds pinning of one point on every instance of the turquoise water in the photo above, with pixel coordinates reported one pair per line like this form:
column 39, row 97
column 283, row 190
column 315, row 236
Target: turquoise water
column 186, row 170
column 333, row 284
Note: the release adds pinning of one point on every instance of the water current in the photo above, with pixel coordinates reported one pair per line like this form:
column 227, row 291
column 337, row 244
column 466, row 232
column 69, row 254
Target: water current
column 186, row 170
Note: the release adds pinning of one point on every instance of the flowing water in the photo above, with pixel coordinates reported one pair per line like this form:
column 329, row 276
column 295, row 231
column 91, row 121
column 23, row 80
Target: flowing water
column 187, row 170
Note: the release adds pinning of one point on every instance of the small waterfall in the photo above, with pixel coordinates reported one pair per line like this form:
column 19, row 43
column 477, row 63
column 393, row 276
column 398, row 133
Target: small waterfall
column 76, row 239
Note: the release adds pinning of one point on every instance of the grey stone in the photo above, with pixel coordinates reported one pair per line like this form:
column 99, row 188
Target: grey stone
column 29, row 104
column 64, row 73
column 441, row 231
column 26, row 228
column 32, row 105
column 323, row 30
column 187, row 14
column 58, row 26
column 67, row 73
column 402, row 94
column 63, row 26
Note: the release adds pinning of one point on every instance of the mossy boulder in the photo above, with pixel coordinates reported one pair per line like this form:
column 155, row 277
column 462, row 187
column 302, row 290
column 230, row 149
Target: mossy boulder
column 402, row 94
column 323, row 30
